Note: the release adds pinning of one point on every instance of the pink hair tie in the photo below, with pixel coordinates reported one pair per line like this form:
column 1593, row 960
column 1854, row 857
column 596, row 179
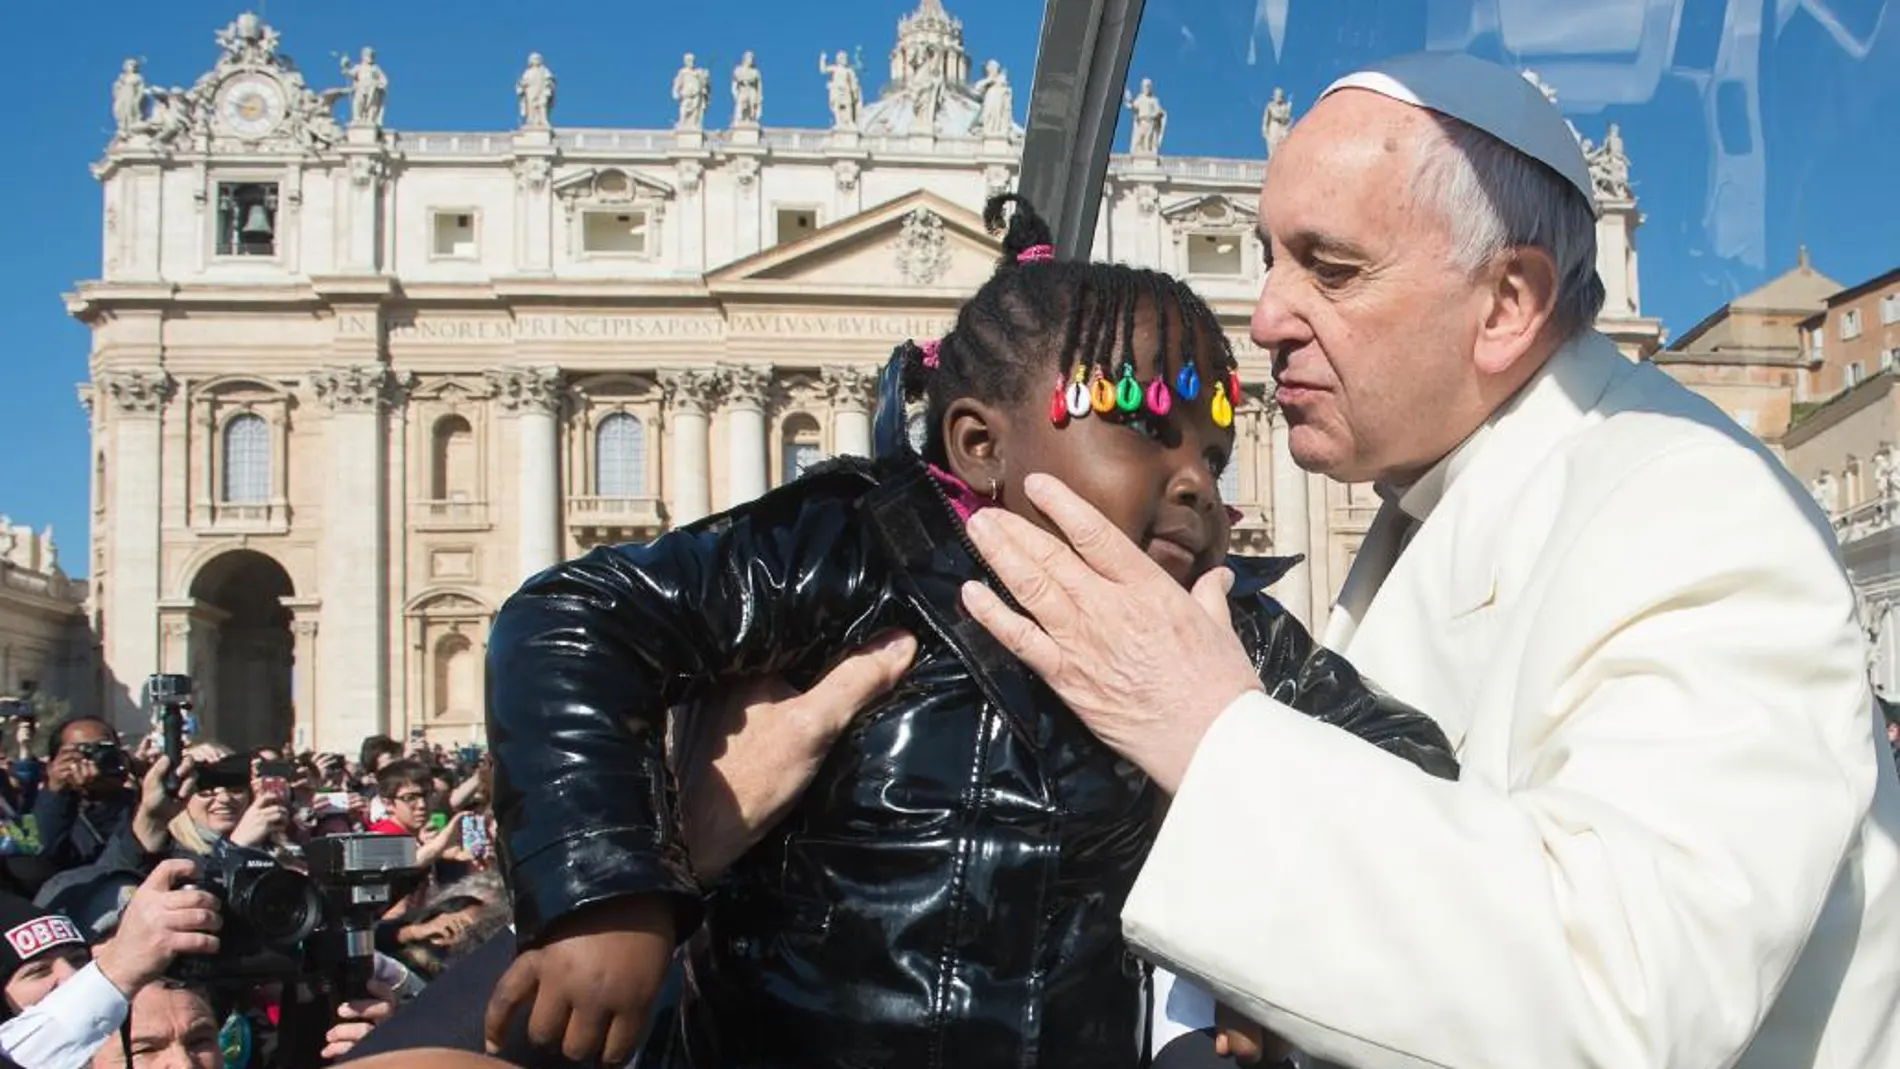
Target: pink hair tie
column 930, row 352
column 1036, row 253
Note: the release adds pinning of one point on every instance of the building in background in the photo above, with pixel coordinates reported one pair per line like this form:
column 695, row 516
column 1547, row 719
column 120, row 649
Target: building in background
column 46, row 648
column 1845, row 447
column 1750, row 357
column 350, row 384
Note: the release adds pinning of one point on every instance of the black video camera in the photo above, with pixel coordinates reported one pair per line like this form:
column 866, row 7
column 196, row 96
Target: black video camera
column 282, row 925
column 172, row 694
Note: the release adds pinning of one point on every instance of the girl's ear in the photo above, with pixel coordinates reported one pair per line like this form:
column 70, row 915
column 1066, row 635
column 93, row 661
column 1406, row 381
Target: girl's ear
column 973, row 433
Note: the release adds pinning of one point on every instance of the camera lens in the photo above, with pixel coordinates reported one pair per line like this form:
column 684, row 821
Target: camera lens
column 281, row 906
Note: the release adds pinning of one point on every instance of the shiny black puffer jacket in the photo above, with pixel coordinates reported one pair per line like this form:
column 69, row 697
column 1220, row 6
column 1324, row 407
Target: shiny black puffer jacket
column 948, row 890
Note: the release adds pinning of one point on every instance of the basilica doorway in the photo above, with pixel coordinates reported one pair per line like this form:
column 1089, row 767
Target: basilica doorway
column 242, row 652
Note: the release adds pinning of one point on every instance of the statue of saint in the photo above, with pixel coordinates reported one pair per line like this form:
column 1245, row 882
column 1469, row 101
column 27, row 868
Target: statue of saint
column 535, row 91
column 748, row 92
column 1278, row 121
column 369, row 89
column 692, row 87
column 172, row 118
column 1151, row 119
column 926, row 89
column 1609, row 165
column 128, row 99
column 997, row 117
column 846, row 96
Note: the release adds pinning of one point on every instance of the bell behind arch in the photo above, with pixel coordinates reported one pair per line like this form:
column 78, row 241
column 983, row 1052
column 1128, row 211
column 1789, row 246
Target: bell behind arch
column 257, row 224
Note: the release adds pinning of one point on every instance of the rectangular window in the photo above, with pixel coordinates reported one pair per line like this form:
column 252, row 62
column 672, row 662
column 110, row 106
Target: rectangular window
column 614, row 233
column 1229, row 484
column 455, row 235
column 247, row 219
column 1215, row 254
column 795, row 223
column 1890, row 308
column 799, row 457
column 1850, row 324
column 1888, row 358
column 1855, row 373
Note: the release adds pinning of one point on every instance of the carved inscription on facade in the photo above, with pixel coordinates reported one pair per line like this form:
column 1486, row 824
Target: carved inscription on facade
column 586, row 327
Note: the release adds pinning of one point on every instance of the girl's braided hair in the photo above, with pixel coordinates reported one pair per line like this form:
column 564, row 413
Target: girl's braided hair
column 1029, row 326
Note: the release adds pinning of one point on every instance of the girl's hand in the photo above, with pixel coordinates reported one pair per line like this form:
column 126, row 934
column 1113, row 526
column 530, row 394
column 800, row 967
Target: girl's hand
column 266, row 816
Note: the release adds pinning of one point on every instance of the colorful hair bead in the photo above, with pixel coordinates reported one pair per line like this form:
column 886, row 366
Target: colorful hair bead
column 1058, row 405
column 1102, row 394
column 1036, row 254
column 1233, row 385
column 1128, row 390
column 931, row 349
column 1159, row 399
column 1188, row 382
column 1077, row 397
column 1221, row 408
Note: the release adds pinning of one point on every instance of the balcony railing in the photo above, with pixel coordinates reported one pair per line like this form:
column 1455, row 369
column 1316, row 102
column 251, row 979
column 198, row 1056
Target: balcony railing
column 1866, row 518
column 448, row 515
column 596, row 519
column 241, row 517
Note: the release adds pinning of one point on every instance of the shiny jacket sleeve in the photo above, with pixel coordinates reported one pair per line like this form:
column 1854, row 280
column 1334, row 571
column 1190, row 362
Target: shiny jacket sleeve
column 586, row 658
column 1306, row 676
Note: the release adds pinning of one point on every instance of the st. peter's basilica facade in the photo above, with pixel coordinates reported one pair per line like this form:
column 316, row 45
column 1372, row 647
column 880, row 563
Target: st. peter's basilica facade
column 350, row 384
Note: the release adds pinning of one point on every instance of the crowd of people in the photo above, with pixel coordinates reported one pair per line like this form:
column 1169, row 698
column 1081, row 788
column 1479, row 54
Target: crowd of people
column 102, row 847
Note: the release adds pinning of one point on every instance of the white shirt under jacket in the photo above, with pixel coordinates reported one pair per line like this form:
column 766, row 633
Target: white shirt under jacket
column 1674, row 839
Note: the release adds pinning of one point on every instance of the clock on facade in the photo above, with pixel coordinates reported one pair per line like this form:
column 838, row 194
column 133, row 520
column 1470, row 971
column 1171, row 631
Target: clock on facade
column 250, row 105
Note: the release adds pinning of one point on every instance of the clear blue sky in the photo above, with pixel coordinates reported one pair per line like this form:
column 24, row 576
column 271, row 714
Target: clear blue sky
column 1825, row 74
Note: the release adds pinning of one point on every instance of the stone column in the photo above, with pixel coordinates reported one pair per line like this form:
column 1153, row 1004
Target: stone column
column 1291, row 525
column 303, row 670
column 745, row 389
column 748, row 236
column 534, row 165
column 533, row 394
column 353, row 559
column 363, row 254
column 689, row 219
column 137, row 401
column 851, row 391
column 689, row 398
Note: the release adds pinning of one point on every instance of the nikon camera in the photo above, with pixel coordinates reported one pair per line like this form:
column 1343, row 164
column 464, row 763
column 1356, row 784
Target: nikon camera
column 283, row 925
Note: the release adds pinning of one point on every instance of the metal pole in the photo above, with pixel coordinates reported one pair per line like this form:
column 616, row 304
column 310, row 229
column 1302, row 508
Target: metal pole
column 1074, row 106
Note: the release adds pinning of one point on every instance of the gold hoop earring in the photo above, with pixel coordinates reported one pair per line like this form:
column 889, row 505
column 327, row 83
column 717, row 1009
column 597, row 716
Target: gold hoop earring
column 996, row 488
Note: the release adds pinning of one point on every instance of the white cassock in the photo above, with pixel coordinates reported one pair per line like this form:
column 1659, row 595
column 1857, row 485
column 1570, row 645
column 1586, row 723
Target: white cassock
column 1674, row 839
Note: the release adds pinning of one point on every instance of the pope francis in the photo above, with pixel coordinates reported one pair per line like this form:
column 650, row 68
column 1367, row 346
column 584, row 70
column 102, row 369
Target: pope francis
column 1674, row 842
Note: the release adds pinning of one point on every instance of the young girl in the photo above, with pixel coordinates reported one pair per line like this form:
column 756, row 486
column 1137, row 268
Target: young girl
column 948, row 890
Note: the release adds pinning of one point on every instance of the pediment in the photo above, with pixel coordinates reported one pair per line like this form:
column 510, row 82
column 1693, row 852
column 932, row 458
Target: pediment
column 918, row 241
column 1213, row 210
column 611, row 185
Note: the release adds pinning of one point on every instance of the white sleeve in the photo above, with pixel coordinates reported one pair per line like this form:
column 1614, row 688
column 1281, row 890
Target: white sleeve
column 67, row 1027
column 1695, row 760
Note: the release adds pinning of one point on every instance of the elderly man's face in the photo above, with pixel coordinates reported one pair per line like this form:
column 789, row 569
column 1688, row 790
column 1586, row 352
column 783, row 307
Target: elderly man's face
column 1370, row 325
column 172, row 1028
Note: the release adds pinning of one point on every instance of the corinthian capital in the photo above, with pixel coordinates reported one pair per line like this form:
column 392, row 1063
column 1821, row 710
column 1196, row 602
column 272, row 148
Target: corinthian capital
column 137, row 392
column 527, row 389
column 746, row 385
column 354, row 388
column 691, row 391
column 850, row 386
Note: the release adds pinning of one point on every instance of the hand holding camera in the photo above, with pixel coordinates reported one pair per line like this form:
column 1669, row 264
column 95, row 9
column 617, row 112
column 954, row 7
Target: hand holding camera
column 151, row 823
column 162, row 921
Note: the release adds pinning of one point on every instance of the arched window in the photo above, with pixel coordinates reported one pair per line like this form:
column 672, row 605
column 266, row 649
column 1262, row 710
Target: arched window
column 802, row 445
column 620, row 457
column 456, row 683
column 452, row 461
column 247, row 460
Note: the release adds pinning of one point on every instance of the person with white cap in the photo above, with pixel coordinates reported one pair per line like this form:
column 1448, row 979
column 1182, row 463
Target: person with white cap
column 1674, row 838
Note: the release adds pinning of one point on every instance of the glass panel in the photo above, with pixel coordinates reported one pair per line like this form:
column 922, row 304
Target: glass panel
column 615, row 232
column 620, row 457
column 1230, row 482
column 246, row 461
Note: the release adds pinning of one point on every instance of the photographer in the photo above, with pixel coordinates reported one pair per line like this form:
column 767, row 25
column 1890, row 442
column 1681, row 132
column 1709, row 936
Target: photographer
column 67, row 1014
column 87, row 798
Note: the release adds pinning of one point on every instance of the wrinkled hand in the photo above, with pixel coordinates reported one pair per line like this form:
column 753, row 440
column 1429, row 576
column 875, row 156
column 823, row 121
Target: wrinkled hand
column 758, row 743
column 157, row 806
column 355, row 1020
column 591, row 984
column 1146, row 665
column 69, row 772
column 158, row 924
